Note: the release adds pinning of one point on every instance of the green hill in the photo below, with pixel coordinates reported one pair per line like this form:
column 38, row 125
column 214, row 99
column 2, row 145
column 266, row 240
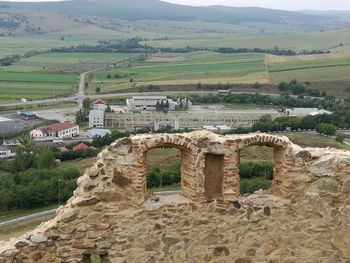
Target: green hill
column 134, row 10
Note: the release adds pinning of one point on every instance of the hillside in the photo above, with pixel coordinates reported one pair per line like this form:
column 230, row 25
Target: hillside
column 22, row 17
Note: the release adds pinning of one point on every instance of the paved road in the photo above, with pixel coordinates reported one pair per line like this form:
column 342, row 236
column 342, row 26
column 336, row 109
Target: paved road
column 25, row 218
column 347, row 142
column 113, row 95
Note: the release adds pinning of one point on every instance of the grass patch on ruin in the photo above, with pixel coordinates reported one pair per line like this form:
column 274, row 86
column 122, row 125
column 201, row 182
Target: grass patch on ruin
column 18, row 229
column 314, row 140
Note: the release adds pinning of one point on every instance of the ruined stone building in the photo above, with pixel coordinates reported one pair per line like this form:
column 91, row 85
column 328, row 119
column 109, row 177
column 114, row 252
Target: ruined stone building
column 304, row 217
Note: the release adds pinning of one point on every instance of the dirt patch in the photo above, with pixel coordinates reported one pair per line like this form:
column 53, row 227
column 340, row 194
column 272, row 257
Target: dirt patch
column 166, row 59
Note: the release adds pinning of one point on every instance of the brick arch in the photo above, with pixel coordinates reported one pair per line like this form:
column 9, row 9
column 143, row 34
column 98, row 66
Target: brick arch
column 264, row 139
column 280, row 146
column 187, row 148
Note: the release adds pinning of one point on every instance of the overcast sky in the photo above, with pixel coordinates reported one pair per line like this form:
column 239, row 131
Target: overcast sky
column 276, row 4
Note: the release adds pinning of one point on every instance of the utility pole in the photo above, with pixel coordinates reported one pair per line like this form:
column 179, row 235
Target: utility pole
column 59, row 192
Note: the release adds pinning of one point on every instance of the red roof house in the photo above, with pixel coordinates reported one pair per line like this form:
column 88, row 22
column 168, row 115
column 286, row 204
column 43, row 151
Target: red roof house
column 62, row 149
column 99, row 105
column 99, row 101
column 81, row 146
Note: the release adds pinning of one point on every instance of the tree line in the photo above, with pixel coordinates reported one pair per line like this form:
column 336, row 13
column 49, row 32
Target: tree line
column 283, row 100
column 137, row 45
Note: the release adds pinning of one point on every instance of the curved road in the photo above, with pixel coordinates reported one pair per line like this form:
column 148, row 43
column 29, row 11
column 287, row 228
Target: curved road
column 25, row 218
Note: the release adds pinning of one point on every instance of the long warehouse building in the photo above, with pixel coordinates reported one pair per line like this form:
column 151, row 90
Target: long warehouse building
column 128, row 121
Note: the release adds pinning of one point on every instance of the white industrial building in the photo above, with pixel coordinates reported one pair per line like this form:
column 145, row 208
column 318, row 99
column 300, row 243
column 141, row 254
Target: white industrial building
column 180, row 120
column 303, row 112
column 149, row 103
column 57, row 130
column 96, row 119
column 7, row 125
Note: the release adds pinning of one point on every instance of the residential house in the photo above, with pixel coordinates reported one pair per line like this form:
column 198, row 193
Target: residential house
column 7, row 152
column 57, row 130
column 99, row 105
column 81, row 146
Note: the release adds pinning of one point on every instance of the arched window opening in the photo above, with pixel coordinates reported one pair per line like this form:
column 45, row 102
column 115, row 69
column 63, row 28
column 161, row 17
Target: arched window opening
column 256, row 169
column 163, row 170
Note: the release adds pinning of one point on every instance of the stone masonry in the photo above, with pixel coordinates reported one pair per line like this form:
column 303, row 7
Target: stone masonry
column 303, row 217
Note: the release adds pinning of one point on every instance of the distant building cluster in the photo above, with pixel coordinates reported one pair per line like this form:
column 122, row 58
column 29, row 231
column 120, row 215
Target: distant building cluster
column 150, row 103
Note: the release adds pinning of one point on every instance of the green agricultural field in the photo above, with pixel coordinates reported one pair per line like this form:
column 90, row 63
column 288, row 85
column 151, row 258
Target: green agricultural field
column 33, row 86
column 298, row 41
column 36, row 77
column 13, row 91
column 51, row 74
column 327, row 72
column 170, row 69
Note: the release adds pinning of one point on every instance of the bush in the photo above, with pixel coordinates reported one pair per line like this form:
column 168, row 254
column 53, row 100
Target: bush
column 169, row 176
column 248, row 170
column 326, row 129
column 249, row 186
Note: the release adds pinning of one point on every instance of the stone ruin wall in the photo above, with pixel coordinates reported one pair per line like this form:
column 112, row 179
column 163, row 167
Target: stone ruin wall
column 304, row 217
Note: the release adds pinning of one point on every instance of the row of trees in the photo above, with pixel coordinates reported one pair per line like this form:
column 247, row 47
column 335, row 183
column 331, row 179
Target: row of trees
column 297, row 88
column 9, row 60
column 36, row 188
column 283, row 100
column 137, row 45
column 325, row 124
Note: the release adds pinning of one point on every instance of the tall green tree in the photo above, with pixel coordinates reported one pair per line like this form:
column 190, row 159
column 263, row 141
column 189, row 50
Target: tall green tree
column 25, row 154
column 45, row 159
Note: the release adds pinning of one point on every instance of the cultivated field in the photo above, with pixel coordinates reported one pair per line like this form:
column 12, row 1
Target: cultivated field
column 51, row 74
column 17, row 85
column 335, row 39
column 327, row 67
column 195, row 67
